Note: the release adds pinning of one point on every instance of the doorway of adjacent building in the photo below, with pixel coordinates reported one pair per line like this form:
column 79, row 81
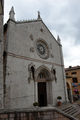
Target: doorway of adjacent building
column 69, row 92
column 42, row 94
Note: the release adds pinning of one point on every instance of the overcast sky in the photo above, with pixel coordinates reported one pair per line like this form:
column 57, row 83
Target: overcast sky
column 62, row 17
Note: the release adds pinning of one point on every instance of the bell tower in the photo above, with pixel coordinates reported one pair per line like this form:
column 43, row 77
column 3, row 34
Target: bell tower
column 1, row 52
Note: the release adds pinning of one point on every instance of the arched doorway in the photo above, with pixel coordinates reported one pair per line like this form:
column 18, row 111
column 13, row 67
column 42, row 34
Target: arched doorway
column 69, row 92
column 44, row 87
column 42, row 94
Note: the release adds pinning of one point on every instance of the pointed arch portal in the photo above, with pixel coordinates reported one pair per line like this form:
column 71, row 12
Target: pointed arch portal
column 44, row 86
column 42, row 94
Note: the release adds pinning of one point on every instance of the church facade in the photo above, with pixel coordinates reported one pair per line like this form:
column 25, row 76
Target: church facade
column 33, row 64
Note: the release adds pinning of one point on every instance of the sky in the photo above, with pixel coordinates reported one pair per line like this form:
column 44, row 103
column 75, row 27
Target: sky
column 62, row 17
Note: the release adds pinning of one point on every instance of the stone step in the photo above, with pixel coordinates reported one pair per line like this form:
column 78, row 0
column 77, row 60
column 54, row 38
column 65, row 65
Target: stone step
column 76, row 114
column 66, row 107
column 73, row 112
column 71, row 109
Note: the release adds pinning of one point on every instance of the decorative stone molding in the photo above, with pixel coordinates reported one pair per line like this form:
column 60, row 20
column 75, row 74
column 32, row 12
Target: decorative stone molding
column 43, row 69
column 58, row 39
column 42, row 49
column 50, row 46
column 52, row 56
column 12, row 14
column 51, row 51
column 32, row 49
column 31, row 36
column 39, row 17
column 41, row 30
column 30, row 65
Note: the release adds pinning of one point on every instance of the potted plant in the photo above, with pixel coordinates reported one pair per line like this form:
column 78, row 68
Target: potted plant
column 35, row 104
column 59, row 98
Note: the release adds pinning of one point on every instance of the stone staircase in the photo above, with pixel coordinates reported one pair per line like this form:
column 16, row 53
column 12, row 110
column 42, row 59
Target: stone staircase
column 71, row 109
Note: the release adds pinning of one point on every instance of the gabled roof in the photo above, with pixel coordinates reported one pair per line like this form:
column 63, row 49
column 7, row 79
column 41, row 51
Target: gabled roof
column 34, row 21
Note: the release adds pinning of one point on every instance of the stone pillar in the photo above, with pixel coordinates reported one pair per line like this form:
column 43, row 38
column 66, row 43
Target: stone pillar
column 36, row 92
column 71, row 96
column 63, row 71
column 49, row 93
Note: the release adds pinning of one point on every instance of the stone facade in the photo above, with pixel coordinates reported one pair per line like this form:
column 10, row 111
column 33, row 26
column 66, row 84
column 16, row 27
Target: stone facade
column 34, row 69
column 1, row 53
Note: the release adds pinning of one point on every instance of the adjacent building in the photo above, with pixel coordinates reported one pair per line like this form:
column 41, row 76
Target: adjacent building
column 73, row 82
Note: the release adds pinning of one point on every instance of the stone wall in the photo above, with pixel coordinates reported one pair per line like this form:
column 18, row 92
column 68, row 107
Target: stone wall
column 36, row 114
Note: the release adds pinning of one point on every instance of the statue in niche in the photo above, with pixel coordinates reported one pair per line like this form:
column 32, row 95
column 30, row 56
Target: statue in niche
column 31, row 69
column 33, row 72
column 54, row 74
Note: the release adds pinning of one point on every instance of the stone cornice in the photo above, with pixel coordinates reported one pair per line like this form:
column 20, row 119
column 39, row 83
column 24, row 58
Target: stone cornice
column 33, row 59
